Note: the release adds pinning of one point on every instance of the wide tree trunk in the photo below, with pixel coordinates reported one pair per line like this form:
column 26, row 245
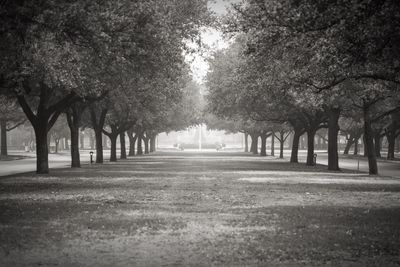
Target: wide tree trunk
column 254, row 143
column 139, row 145
column 246, row 142
column 295, row 146
column 369, row 142
column 273, row 144
column 333, row 131
column 98, row 133
column 3, row 126
column 113, row 141
column 310, row 146
column 263, row 151
column 123, row 145
column 132, row 142
column 42, row 149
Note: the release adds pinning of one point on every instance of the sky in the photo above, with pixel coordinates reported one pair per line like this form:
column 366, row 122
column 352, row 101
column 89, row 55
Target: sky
column 212, row 38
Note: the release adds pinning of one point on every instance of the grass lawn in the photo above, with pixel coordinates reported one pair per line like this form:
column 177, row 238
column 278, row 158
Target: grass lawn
column 209, row 209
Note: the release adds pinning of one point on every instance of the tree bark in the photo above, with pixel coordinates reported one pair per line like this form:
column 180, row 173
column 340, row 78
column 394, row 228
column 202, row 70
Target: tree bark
column 391, row 146
column 132, row 141
column 246, row 142
column 139, row 145
column 3, row 127
column 113, row 140
column 333, row 131
column 377, row 144
column 349, row 143
column 123, row 145
column 281, row 145
column 98, row 124
column 56, row 142
column 74, row 115
column 153, row 143
column 42, row 149
column 310, row 146
column 369, row 143
column 355, row 152
column 263, row 151
column 295, row 145
column 254, row 143
column 146, row 145
column 273, row 144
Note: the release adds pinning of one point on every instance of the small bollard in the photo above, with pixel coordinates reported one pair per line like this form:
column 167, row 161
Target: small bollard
column 91, row 157
column 315, row 159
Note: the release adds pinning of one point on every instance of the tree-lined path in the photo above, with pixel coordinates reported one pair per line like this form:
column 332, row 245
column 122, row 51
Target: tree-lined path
column 199, row 209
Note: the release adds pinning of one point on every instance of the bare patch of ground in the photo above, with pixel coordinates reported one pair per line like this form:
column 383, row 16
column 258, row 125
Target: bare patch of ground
column 216, row 209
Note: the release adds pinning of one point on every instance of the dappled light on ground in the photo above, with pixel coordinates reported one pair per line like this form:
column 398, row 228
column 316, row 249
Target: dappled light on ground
column 212, row 209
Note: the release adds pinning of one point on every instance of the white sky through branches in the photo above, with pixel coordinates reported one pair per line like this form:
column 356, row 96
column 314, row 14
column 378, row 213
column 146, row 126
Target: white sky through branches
column 213, row 40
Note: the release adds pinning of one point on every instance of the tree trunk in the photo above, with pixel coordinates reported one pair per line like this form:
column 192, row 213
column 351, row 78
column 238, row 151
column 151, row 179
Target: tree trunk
column 99, row 145
column 113, row 140
column 153, row 143
column 333, row 131
column 139, row 145
column 369, row 143
column 75, row 156
column 98, row 124
column 42, row 149
column 282, row 143
column 295, row 146
column 73, row 119
column 132, row 141
column 3, row 127
column 246, row 142
column 355, row 152
column 391, row 146
column 263, row 151
column 123, row 146
column 377, row 144
column 310, row 146
column 273, row 144
column 254, row 143
column 56, row 142
column 349, row 143
column 146, row 145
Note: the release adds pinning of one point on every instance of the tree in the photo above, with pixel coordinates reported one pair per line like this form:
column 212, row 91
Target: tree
column 10, row 118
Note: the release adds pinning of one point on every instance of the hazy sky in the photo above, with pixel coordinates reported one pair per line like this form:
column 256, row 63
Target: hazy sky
column 211, row 38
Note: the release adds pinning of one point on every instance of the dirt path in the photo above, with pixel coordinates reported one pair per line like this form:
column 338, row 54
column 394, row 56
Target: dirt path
column 220, row 209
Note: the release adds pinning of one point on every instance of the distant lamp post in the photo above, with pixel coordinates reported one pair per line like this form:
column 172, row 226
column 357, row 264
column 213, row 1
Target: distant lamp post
column 91, row 157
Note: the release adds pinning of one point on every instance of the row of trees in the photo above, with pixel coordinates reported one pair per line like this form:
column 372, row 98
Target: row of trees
column 115, row 66
column 306, row 65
